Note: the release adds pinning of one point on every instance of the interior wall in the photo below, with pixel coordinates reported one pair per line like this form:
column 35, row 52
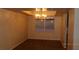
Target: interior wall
column 71, row 29
column 63, row 29
column 76, row 29
column 53, row 35
column 13, row 29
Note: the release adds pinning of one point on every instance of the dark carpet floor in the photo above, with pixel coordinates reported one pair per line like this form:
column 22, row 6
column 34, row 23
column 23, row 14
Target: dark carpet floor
column 32, row 44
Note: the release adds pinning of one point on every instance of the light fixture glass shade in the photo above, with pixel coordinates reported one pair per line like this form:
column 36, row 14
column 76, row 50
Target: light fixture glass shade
column 38, row 9
column 41, row 13
column 44, row 9
column 44, row 15
column 37, row 15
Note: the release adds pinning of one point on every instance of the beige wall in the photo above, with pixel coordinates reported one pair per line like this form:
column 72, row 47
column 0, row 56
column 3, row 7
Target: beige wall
column 76, row 29
column 54, row 35
column 71, row 29
column 13, row 29
column 63, row 29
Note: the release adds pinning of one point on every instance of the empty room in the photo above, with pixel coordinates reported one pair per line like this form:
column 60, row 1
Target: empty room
column 38, row 28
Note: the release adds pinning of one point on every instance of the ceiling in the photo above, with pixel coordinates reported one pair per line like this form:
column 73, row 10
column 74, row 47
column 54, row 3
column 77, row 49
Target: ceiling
column 29, row 11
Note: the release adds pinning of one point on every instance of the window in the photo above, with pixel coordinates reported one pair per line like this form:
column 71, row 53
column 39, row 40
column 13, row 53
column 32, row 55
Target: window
column 49, row 25
column 39, row 25
column 46, row 25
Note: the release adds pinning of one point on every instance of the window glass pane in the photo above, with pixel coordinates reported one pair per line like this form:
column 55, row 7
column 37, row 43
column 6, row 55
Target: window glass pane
column 39, row 25
column 49, row 25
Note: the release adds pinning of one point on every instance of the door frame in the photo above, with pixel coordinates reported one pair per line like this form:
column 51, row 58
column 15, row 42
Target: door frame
column 70, row 29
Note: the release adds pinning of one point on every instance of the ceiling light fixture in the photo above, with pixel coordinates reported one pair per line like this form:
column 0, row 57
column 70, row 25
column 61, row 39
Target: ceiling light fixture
column 41, row 13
